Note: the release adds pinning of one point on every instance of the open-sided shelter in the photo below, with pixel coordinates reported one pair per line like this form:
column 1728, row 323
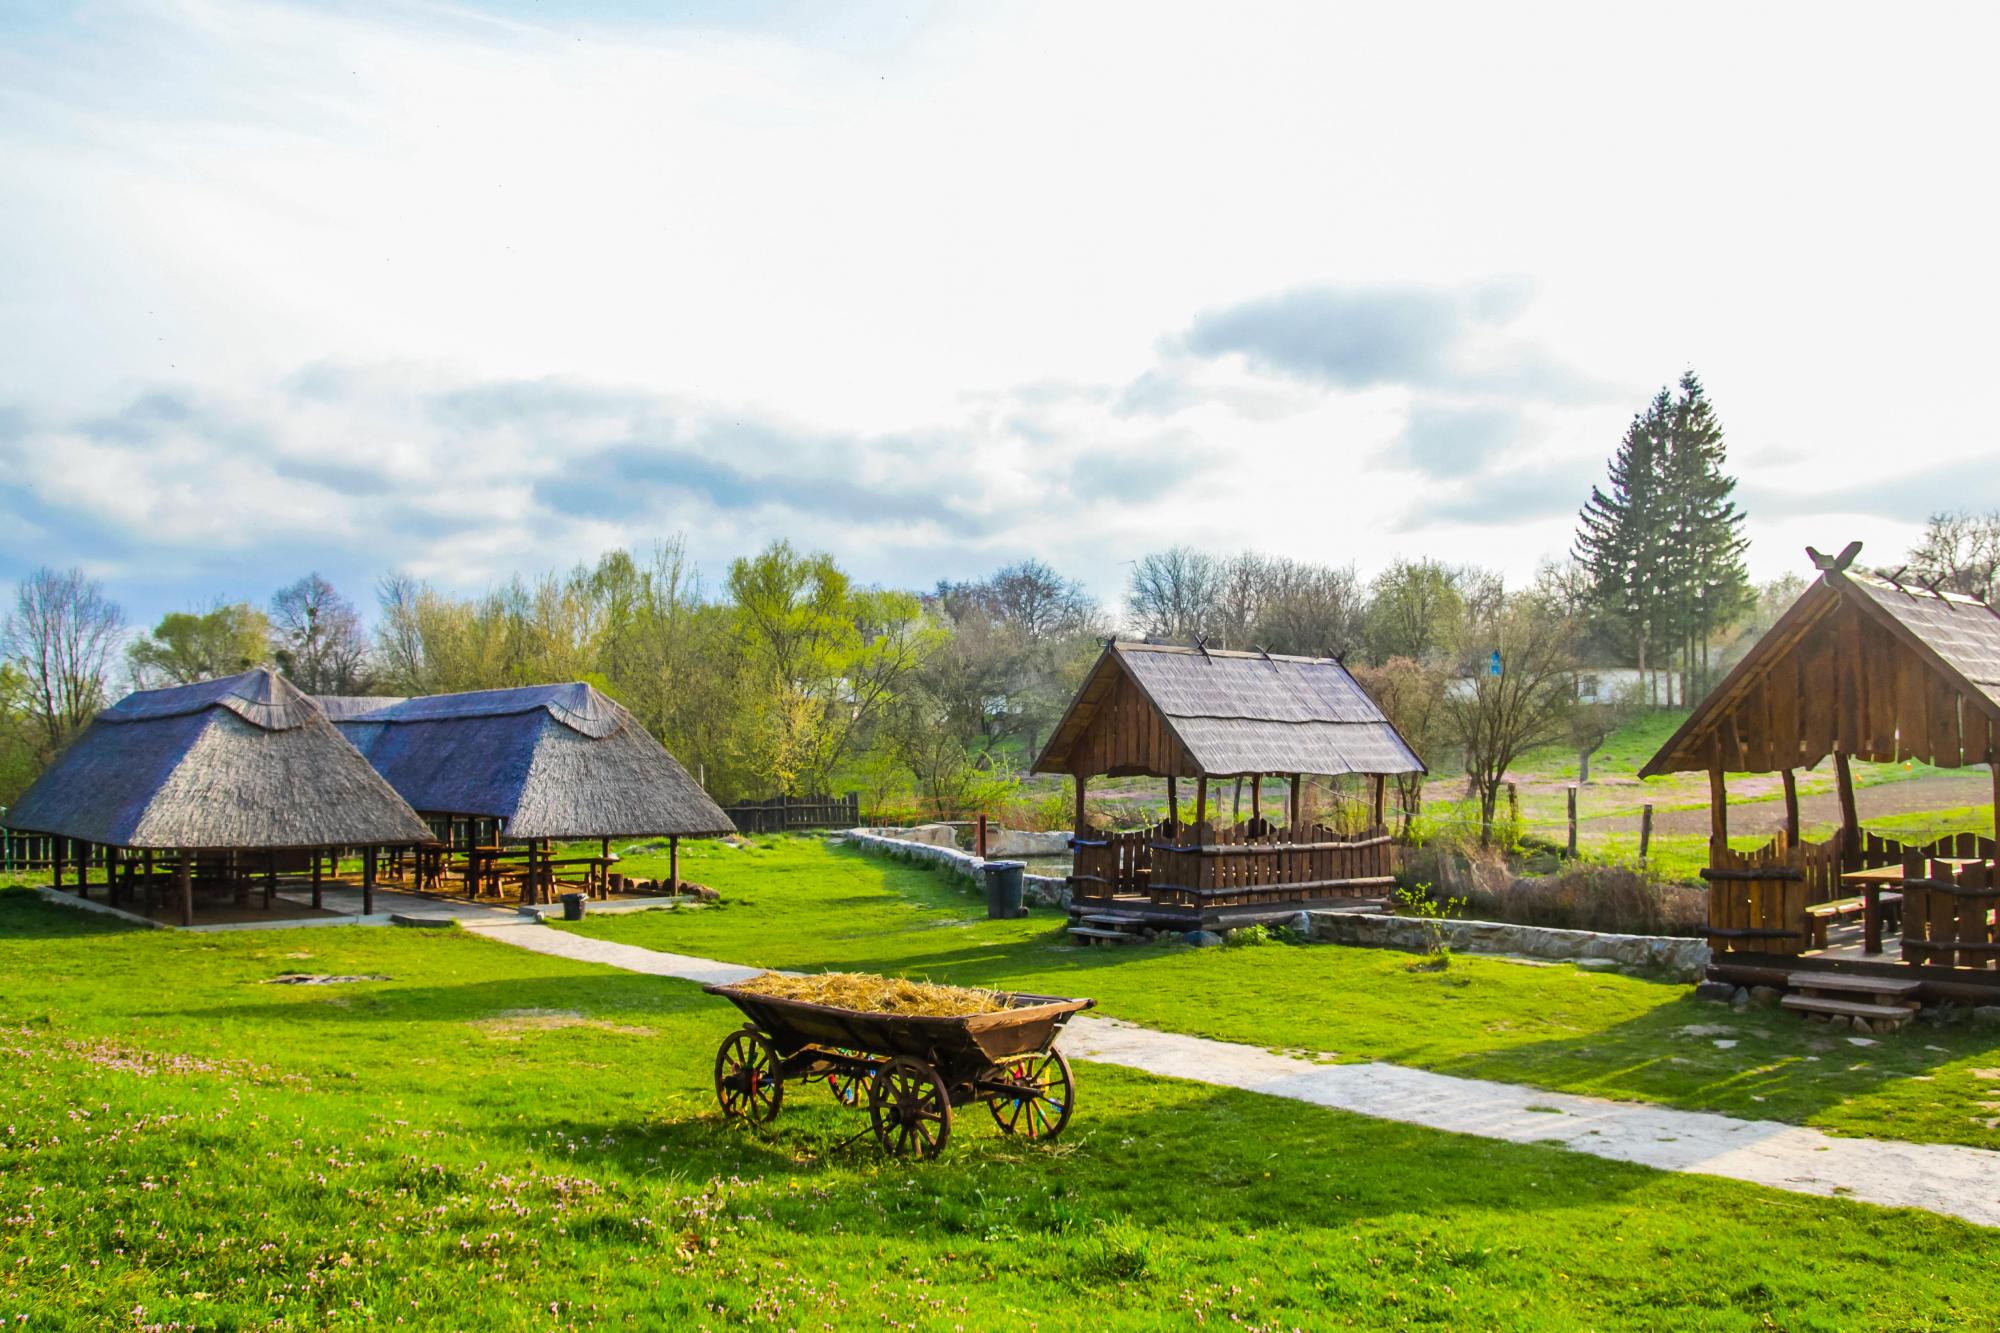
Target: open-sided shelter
column 1176, row 712
column 533, row 765
column 1861, row 667
column 209, row 782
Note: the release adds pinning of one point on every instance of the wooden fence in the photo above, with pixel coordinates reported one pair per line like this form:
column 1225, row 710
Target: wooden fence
column 1948, row 913
column 782, row 814
column 1251, row 864
column 37, row 851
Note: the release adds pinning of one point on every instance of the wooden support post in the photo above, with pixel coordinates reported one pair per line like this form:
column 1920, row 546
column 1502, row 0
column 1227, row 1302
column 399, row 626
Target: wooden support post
column 1236, row 802
column 1572, row 821
column 1791, row 807
column 1381, row 801
column 316, row 880
column 56, row 857
column 1173, row 806
column 184, row 878
column 82, row 869
column 1256, row 796
column 152, row 894
column 1513, row 805
column 1993, row 762
column 1296, row 796
column 1718, row 814
column 242, row 881
column 270, row 880
column 979, row 837
column 368, row 882
column 1200, row 803
column 1081, row 821
column 673, row 865
column 1645, row 831
column 604, row 869
column 1850, row 819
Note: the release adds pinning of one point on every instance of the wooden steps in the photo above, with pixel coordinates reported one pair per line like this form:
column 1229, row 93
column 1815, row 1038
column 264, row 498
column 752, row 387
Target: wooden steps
column 1097, row 933
column 1884, row 1003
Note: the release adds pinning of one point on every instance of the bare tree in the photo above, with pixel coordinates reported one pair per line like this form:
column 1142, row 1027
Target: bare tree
column 1173, row 594
column 1309, row 609
column 1961, row 553
column 62, row 637
column 1498, row 716
column 317, row 638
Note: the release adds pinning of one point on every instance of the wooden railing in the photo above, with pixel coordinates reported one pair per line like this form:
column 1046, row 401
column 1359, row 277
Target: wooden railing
column 1876, row 850
column 1948, row 913
column 1200, row 866
column 1757, row 900
column 37, row 851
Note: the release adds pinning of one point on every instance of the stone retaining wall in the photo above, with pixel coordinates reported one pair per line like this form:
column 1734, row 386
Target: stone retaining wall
column 1036, row 890
column 1684, row 959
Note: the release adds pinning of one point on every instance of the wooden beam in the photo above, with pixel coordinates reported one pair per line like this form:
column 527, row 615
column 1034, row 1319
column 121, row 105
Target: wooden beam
column 316, row 879
column 1173, row 805
column 368, row 882
column 1296, row 796
column 56, row 846
column 270, row 879
column 1791, row 777
column 184, row 878
column 1850, row 819
column 1645, row 831
column 1082, row 821
column 1201, row 800
column 1381, row 801
column 1256, row 796
column 1718, row 810
column 673, row 865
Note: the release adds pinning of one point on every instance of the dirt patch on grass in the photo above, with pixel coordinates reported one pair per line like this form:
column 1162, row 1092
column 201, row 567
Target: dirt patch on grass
column 513, row 1024
column 1915, row 796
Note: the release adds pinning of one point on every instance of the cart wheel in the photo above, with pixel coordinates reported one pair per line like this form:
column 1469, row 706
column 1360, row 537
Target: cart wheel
column 747, row 1082
column 909, row 1108
column 1040, row 1117
column 846, row 1087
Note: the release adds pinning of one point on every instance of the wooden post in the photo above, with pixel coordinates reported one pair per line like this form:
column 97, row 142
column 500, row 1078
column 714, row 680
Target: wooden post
column 316, row 880
column 152, row 894
column 242, row 881
column 979, row 837
column 1791, row 807
column 1381, row 801
column 270, row 879
column 1513, row 805
column 1296, row 796
column 1236, row 802
column 1173, row 807
column 604, row 869
column 56, row 858
column 1850, row 819
column 1256, row 796
column 184, row 877
column 1993, row 762
column 1718, row 814
column 1572, row 821
column 1081, row 821
column 368, row 882
column 1200, row 804
column 674, row 860
column 1645, row 831
column 82, row 869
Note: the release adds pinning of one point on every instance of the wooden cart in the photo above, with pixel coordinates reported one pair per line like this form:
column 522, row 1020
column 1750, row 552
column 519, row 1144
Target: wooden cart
column 911, row 1071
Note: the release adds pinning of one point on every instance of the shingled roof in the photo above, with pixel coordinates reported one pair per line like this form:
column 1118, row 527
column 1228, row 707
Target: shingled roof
column 243, row 762
column 1880, row 669
column 1168, row 710
column 550, row 761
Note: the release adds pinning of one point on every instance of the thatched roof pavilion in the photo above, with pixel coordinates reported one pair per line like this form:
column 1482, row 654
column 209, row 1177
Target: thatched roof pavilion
column 1172, row 711
column 246, row 763
column 546, row 761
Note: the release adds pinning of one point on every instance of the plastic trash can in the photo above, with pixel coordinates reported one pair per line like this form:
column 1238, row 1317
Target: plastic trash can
column 572, row 906
column 1003, row 889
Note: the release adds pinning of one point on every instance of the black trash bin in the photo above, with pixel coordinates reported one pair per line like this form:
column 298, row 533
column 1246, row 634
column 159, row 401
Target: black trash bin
column 572, row 906
column 1003, row 889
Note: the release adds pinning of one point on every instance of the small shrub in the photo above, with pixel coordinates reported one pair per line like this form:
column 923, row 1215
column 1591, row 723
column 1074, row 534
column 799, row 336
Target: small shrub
column 1119, row 1253
column 1248, row 937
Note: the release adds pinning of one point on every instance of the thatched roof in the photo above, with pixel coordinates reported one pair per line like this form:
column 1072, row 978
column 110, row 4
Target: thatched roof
column 243, row 762
column 1880, row 670
column 343, row 707
column 551, row 761
column 1167, row 710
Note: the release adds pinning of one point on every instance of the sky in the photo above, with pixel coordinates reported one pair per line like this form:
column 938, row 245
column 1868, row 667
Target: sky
column 471, row 290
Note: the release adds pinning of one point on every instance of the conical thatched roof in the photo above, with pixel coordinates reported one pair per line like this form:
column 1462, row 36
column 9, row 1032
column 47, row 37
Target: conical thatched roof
column 551, row 761
column 247, row 761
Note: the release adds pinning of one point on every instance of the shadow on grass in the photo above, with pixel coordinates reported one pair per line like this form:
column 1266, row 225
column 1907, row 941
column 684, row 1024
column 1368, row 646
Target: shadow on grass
column 26, row 915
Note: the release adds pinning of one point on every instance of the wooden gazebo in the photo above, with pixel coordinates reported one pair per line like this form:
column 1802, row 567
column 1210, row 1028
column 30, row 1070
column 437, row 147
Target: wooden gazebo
column 1177, row 713
column 1869, row 668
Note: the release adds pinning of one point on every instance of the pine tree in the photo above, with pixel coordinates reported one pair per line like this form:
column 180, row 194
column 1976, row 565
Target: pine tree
column 1707, row 584
column 1621, row 538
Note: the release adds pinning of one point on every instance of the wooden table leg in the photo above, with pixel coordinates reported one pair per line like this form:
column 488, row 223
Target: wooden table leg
column 1871, row 918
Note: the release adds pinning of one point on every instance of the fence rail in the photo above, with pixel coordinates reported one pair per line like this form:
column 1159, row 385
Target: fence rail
column 782, row 814
column 37, row 851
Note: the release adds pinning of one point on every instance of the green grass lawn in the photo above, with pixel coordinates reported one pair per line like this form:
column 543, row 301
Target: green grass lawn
column 798, row 903
column 487, row 1138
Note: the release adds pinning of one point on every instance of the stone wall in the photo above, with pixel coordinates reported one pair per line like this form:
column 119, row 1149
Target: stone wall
column 1684, row 959
column 1036, row 890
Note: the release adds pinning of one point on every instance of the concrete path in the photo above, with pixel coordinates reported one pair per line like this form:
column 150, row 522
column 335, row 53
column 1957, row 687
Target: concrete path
column 1939, row 1178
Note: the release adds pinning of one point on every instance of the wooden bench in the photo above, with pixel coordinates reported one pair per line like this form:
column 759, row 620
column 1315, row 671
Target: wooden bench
column 1819, row 916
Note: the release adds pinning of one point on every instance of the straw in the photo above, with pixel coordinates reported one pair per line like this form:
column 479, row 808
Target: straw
column 878, row 995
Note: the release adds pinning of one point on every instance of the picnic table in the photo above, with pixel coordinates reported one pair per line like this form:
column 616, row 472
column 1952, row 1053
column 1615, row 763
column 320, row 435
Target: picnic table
column 1875, row 884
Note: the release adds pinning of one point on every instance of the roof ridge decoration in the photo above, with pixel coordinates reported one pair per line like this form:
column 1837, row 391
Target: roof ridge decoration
column 578, row 705
column 259, row 696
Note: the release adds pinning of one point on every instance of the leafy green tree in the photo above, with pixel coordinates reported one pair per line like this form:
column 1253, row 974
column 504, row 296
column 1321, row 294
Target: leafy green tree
column 1416, row 609
column 186, row 647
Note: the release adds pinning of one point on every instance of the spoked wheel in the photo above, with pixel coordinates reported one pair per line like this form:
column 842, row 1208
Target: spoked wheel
column 909, row 1108
column 1041, row 1116
column 747, row 1082
column 844, row 1086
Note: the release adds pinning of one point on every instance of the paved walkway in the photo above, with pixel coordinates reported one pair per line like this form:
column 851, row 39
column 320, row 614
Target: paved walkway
column 1940, row 1178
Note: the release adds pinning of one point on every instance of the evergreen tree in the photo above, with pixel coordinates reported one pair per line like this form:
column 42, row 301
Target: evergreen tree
column 1707, row 584
column 1622, row 537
